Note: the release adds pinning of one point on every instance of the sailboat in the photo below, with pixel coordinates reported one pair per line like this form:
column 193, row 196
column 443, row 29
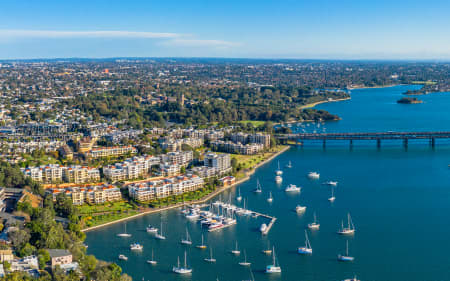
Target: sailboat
column 351, row 279
column 245, row 262
column 187, row 240
column 274, row 267
column 278, row 172
column 182, row 270
column 210, row 259
column 125, row 234
column 258, row 187
column 160, row 235
column 332, row 198
column 345, row 257
column 306, row 250
column 314, row 225
column 350, row 229
column 202, row 246
column 239, row 197
column 152, row 261
column 267, row 251
column 270, row 199
column 289, row 165
column 236, row 250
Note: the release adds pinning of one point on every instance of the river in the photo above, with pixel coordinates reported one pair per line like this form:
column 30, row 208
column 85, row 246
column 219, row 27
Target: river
column 398, row 198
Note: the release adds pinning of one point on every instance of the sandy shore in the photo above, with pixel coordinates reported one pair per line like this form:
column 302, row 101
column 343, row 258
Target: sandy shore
column 309, row 105
column 204, row 199
column 373, row 87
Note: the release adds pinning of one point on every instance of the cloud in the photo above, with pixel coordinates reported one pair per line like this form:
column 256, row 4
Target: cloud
column 10, row 33
column 188, row 42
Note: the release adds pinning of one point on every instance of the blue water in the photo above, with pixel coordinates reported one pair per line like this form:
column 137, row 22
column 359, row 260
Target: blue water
column 398, row 199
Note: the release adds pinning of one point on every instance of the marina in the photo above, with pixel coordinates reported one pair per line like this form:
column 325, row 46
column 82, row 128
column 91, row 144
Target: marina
column 372, row 201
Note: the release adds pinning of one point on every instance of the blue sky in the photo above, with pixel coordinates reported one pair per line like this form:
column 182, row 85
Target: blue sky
column 322, row 29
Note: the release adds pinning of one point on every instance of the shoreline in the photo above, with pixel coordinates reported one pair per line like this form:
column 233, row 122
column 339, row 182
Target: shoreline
column 373, row 87
column 311, row 105
column 206, row 198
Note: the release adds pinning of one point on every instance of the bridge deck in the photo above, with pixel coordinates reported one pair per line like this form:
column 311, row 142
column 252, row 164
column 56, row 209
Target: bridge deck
column 366, row 136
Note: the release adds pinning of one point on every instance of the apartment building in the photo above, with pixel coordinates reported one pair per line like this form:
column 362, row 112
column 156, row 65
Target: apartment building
column 131, row 168
column 238, row 148
column 96, row 194
column 181, row 158
column 257, row 138
column 110, row 151
column 176, row 144
column 147, row 191
column 80, row 174
column 54, row 173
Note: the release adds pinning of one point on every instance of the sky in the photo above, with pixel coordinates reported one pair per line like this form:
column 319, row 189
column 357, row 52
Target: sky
column 313, row 29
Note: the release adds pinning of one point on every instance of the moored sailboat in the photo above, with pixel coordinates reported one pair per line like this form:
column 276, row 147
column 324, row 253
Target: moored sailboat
column 187, row 240
column 182, row 269
column 307, row 248
column 349, row 229
column 345, row 257
column 274, row 267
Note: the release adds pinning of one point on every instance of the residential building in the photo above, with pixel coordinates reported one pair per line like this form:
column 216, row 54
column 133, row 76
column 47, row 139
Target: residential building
column 6, row 255
column 150, row 190
column 59, row 257
column 181, row 158
column 238, row 148
column 110, row 151
column 131, row 168
column 80, row 174
column 54, row 173
column 96, row 194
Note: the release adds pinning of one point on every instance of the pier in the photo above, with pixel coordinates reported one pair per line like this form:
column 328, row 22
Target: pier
column 235, row 210
column 375, row 136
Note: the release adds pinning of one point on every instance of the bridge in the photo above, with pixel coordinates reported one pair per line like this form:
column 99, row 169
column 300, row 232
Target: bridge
column 378, row 136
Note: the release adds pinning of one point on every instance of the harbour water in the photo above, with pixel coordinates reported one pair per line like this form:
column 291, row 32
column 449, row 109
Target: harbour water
column 398, row 199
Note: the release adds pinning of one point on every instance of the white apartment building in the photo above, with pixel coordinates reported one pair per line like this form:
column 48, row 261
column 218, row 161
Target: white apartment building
column 147, row 191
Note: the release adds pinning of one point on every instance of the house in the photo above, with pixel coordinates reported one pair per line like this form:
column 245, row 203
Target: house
column 6, row 255
column 59, row 257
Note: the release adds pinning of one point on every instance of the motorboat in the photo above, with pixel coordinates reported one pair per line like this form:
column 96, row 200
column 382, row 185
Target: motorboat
column 313, row 175
column 263, row 227
column 136, row 247
column 292, row 188
column 123, row 257
column 300, row 209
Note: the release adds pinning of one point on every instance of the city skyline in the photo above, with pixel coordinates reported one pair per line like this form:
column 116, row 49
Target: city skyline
column 400, row 30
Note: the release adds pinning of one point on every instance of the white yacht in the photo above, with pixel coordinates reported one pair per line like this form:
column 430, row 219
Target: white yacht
column 152, row 261
column 245, row 262
column 239, row 197
column 314, row 225
column 210, row 259
column 124, row 234
column 332, row 198
column 123, row 257
column 160, row 235
column 300, row 209
column 313, row 175
column 292, row 188
column 345, row 257
column 349, row 229
column 270, row 199
column 187, row 240
column 263, row 227
column 236, row 250
column 136, row 247
column 274, row 267
column 258, row 188
column 351, row 279
column 332, row 183
column 306, row 250
column 278, row 179
column 152, row 229
column 182, row 269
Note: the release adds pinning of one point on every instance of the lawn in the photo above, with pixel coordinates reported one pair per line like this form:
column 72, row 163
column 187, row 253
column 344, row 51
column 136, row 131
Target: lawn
column 249, row 161
column 254, row 123
column 107, row 207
